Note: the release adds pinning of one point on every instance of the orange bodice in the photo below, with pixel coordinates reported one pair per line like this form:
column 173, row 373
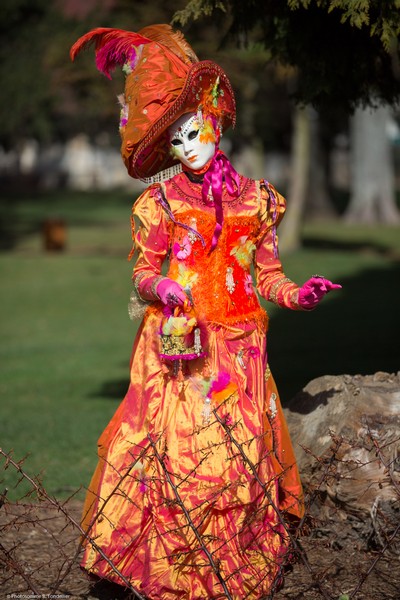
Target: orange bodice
column 221, row 282
column 177, row 225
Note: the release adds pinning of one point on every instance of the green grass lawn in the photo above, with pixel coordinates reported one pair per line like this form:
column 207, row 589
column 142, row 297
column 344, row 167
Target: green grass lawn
column 66, row 336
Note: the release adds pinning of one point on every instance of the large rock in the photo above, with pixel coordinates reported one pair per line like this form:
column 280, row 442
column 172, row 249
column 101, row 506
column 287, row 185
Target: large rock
column 346, row 434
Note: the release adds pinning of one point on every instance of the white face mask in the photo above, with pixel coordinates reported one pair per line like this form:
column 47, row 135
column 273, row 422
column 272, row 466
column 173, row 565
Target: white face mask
column 191, row 141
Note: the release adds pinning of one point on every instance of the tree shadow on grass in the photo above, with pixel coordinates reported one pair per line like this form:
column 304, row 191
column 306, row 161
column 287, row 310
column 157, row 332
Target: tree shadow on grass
column 354, row 331
column 372, row 246
column 114, row 389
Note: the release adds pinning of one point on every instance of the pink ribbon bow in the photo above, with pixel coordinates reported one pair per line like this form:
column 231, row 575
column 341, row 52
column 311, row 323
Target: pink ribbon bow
column 220, row 170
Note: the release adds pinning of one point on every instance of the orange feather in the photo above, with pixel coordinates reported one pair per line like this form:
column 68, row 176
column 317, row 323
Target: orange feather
column 116, row 46
column 173, row 40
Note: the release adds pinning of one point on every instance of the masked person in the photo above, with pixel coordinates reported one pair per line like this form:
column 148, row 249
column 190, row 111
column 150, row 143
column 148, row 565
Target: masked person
column 196, row 484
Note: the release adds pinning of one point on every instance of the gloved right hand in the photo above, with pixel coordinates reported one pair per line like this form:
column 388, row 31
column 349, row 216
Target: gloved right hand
column 313, row 290
column 171, row 293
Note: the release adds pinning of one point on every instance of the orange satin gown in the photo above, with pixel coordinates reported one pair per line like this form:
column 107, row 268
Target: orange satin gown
column 159, row 453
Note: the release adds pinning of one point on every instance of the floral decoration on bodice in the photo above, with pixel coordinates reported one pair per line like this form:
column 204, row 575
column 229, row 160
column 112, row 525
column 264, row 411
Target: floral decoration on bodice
column 220, row 282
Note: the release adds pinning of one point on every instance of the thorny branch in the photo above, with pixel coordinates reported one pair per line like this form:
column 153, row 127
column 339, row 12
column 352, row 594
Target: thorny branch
column 387, row 464
column 12, row 564
column 41, row 493
column 375, row 562
column 21, row 570
column 185, row 511
column 264, row 487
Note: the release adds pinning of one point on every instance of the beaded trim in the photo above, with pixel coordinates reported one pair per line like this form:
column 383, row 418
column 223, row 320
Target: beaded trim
column 274, row 206
column 182, row 131
column 163, row 175
column 164, row 203
column 196, row 191
column 155, row 284
column 136, row 279
column 136, row 306
column 272, row 296
column 294, row 299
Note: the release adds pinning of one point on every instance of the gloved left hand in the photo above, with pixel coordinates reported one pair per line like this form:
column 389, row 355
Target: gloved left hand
column 171, row 293
column 313, row 290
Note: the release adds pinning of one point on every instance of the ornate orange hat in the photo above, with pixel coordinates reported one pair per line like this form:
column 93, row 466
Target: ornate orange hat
column 164, row 80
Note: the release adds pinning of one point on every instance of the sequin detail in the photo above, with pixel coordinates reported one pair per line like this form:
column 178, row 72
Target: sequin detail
column 272, row 406
column 229, row 281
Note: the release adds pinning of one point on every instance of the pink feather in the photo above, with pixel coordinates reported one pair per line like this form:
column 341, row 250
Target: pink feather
column 112, row 46
column 220, row 383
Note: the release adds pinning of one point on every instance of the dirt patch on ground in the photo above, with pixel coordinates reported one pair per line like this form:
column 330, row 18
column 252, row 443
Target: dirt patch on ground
column 39, row 555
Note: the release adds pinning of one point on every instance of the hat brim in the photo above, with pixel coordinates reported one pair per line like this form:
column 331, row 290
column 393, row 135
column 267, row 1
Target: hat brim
column 151, row 154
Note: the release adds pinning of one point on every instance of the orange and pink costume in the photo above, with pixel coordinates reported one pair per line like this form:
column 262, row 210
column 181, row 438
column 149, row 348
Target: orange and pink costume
column 159, row 453
column 196, row 481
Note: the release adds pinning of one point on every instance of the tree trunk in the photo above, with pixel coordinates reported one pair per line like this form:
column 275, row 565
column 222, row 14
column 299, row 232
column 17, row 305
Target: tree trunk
column 373, row 191
column 290, row 229
column 318, row 200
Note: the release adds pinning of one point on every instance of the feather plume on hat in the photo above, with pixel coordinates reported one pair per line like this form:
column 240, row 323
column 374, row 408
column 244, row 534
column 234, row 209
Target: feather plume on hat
column 173, row 40
column 113, row 47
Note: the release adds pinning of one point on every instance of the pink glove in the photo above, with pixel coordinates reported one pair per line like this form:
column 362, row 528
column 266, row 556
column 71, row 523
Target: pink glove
column 313, row 290
column 170, row 292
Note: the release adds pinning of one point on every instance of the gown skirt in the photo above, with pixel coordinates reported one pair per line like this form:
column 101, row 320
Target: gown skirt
column 192, row 490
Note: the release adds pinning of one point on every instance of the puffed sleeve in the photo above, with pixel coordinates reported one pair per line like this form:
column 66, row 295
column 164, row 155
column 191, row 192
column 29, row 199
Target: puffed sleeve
column 272, row 282
column 150, row 242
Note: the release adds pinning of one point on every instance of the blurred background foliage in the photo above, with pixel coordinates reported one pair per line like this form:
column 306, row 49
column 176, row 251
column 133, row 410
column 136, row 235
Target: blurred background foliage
column 46, row 97
column 326, row 59
column 345, row 52
column 333, row 55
